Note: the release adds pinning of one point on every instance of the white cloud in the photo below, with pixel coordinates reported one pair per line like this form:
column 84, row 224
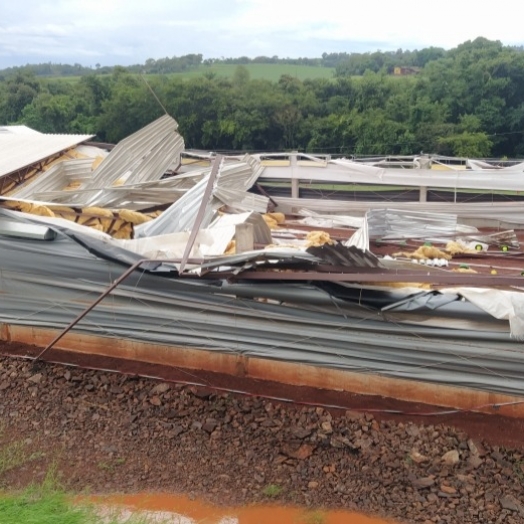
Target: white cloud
column 130, row 31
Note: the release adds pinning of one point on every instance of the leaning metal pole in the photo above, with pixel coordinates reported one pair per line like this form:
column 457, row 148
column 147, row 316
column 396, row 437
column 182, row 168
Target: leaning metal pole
column 138, row 263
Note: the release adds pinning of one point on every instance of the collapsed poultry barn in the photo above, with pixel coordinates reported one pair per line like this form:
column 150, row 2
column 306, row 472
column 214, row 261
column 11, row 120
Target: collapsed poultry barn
column 160, row 255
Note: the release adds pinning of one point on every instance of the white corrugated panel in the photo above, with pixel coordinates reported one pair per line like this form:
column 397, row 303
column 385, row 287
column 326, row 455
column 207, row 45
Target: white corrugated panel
column 18, row 130
column 54, row 179
column 22, row 150
column 348, row 172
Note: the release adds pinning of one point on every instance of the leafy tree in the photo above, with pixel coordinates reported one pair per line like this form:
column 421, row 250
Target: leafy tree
column 20, row 90
column 466, row 144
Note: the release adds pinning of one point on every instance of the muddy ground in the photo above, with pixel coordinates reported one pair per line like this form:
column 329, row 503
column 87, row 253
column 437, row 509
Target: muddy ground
column 110, row 432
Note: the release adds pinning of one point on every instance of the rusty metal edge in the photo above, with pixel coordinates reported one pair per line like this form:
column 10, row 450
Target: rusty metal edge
column 292, row 374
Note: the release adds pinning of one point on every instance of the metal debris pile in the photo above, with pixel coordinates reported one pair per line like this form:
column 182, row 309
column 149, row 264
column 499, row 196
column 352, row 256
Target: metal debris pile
column 203, row 227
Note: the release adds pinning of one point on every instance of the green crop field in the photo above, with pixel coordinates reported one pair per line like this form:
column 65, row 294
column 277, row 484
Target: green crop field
column 270, row 72
column 262, row 71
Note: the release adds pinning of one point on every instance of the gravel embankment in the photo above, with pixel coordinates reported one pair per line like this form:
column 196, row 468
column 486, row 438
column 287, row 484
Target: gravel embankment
column 112, row 433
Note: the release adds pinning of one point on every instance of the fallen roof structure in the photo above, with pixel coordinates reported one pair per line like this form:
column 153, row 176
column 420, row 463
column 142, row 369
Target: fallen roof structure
column 25, row 151
column 343, row 186
column 209, row 280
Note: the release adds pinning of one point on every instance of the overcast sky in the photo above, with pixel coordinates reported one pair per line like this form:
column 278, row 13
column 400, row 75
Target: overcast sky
column 124, row 32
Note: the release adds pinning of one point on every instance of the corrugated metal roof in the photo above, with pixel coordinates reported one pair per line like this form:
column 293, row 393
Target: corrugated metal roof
column 47, row 284
column 145, row 155
column 346, row 256
column 347, row 172
column 19, row 130
column 230, row 188
column 25, row 149
column 141, row 159
column 55, row 178
column 503, row 211
column 399, row 223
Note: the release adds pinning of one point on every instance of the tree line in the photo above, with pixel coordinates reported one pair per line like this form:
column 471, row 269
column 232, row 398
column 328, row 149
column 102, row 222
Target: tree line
column 467, row 101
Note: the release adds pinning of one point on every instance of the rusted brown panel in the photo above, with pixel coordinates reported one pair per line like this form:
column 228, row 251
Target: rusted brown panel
column 132, row 350
column 273, row 370
column 5, row 333
column 371, row 384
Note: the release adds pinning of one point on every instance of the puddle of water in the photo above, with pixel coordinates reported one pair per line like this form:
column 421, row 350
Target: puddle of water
column 180, row 509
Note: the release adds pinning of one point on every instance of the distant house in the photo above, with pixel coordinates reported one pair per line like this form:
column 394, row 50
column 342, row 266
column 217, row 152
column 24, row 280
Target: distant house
column 402, row 71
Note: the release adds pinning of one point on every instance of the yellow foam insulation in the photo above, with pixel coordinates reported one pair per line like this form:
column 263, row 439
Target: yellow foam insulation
column 454, row 248
column 231, row 248
column 442, row 167
column 279, row 218
column 122, row 230
column 134, row 216
column 96, row 162
column 11, row 185
column 270, row 221
column 423, row 253
column 64, row 212
column 72, row 154
column 318, row 238
column 33, row 209
column 118, row 224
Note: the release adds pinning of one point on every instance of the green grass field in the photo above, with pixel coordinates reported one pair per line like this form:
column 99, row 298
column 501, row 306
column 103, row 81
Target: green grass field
column 270, row 72
column 262, row 71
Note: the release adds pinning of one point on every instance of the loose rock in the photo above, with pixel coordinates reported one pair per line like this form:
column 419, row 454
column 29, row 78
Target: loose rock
column 451, row 458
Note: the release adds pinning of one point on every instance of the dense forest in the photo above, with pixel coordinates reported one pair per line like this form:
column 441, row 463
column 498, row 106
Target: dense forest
column 467, row 101
column 347, row 63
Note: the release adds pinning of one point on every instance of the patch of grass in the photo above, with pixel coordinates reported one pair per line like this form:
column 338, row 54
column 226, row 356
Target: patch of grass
column 47, row 503
column 272, row 490
column 14, row 455
column 43, row 504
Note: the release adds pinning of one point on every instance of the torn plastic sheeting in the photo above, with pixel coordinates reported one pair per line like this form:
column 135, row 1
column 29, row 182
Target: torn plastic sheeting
column 501, row 304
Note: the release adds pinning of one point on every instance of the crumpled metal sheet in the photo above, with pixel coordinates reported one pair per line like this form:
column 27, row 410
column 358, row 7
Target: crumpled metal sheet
column 48, row 283
column 231, row 185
